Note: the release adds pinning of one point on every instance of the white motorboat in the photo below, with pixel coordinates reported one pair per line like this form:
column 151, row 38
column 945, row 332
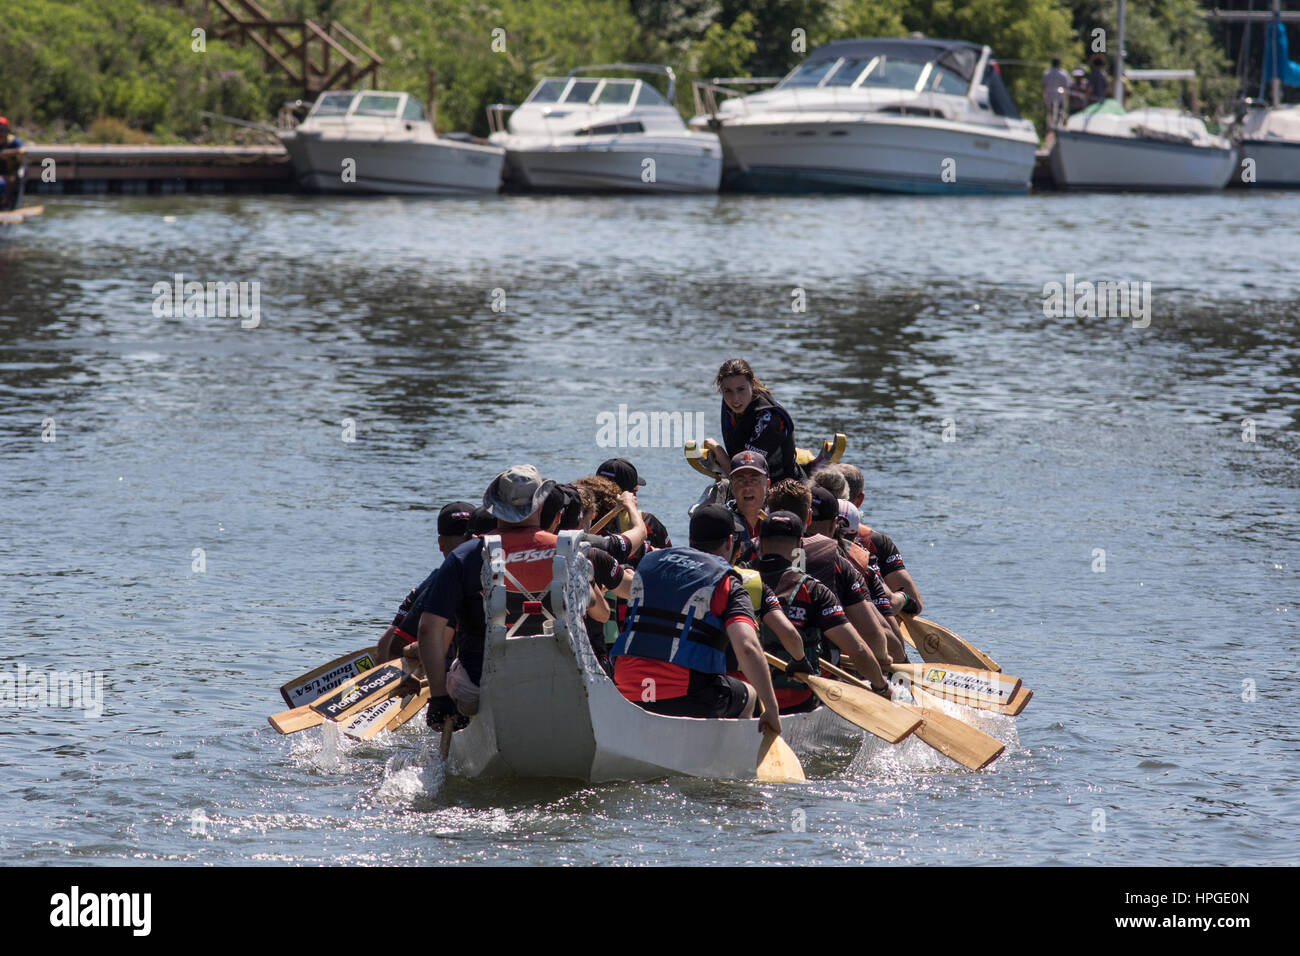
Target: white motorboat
column 378, row 142
column 1271, row 138
column 1105, row 147
column 897, row 115
column 547, row 708
column 581, row 133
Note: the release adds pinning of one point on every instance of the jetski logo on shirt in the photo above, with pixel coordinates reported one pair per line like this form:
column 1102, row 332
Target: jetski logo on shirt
column 533, row 554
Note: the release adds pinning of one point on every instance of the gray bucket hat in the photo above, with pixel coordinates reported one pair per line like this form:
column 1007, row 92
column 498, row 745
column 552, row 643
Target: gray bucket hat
column 516, row 493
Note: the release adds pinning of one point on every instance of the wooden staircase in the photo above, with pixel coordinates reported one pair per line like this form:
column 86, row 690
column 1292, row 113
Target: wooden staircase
column 312, row 56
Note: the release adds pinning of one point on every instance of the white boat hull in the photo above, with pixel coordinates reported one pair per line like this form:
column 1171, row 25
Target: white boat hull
column 1082, row 160
column 1277, row 163
column 875, row 153
column 619, row 164
column 411, row 167
column 547, row 709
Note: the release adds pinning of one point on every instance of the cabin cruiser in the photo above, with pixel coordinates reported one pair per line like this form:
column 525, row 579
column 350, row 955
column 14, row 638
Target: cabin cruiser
column 1106, row 147
column 580, row 132
column 379, row 142
column 897, row 115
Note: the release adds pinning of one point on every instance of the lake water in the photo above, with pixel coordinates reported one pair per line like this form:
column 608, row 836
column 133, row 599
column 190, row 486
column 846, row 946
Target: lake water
column 1110, row 511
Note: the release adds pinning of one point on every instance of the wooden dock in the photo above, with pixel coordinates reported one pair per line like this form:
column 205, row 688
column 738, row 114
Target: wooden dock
column 141, row 169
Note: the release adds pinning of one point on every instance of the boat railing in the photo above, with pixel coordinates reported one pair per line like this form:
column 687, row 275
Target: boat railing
column 707, row 92
column 497, row 114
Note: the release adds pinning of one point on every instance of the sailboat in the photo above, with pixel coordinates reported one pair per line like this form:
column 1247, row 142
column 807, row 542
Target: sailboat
column 1108, row 147
column 1270, row 135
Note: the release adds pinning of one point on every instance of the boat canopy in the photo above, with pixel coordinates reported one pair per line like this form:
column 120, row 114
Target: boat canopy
column 922, row 65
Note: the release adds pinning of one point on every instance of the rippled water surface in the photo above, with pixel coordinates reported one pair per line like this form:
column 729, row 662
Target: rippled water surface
column 1163, row 727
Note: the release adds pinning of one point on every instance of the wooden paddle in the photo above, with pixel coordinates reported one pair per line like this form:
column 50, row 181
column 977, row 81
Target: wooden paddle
column 314, row 683
column 864, row 709
column 938, row 645
column 777, row 763
column 969, row 746
column 444, row 745
column 965, row 685
column 360, row 692
column 599, row 526
column 292, row 721
column 388, row 714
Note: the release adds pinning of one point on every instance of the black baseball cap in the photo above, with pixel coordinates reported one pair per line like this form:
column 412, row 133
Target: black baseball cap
column 748, row 460
column 453, row 519
column 825, row 506
column 482, row 522
column 712, row 523
column 622, row 472
column 781, row 524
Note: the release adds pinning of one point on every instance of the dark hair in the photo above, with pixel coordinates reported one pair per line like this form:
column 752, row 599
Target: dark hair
column 712, row 546
column 1056, row 61
column 563, row 500
column 790, row 494
column 738, row 366
column 1098, row 60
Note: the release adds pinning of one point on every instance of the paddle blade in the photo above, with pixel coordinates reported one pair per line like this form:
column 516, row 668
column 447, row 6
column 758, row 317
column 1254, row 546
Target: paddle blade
column 361, row 692
column 956, row 739
column 1017, row 703
column 938, row 645
column 410, row 707
column 777, row 763
column 311, row 685
column 373, row 719
column 962, row 685
column 292, row 721
column 861, row 707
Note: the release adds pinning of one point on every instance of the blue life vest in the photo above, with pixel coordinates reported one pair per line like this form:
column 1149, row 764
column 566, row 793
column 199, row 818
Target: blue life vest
column 668, row 616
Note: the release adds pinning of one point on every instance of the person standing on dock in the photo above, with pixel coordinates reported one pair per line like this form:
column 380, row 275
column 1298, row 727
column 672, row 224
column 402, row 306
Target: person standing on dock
column 1056, row 87
column 1098, row 81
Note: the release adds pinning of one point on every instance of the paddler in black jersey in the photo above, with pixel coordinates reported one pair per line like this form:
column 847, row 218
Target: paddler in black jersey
column 753, row 420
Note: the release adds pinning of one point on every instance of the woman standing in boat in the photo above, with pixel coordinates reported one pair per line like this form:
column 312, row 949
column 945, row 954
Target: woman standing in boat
column 752, row 419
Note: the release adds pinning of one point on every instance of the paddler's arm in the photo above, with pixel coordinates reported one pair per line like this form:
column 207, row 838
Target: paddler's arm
column 864, row 662
column 749, row 653
column 433, row 643
column 719, row 455
column 870, row 626
column 790, row 638
column 598, row 607
column 900, row 582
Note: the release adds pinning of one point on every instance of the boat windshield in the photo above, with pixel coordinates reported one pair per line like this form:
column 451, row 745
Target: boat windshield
column 333, row 104
column 580, row 91
column 847, row 73
column 945, row 81
column 616, row 92
column 808, row 74
column 414, row 110
column 548, row 91
column 378, row 104
column 649, row 96
column 895, row 74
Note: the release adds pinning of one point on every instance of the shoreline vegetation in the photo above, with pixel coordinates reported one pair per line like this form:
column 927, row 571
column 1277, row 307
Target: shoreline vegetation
column 131, row 71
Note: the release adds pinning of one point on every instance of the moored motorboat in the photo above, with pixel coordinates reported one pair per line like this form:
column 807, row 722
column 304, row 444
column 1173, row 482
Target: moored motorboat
column 604, row 133
column 547, row 708
column 381, row 142
column 897, row 115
